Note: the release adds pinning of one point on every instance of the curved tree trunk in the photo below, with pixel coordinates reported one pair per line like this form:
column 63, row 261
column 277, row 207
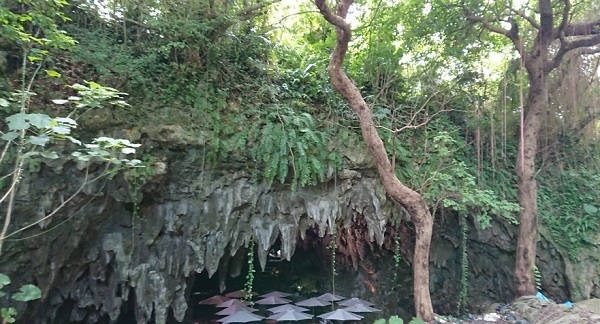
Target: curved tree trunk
column 410, row 199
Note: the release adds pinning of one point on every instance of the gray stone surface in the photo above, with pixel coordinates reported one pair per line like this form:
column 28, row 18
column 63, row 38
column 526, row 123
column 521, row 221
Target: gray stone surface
column 95, row 256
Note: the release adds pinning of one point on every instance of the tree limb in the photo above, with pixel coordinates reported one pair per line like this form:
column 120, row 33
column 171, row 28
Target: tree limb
column 253, row 11
column 565, row 17
column 512, row 34
column 585, row 29
column 530, row 20
column 567, row 46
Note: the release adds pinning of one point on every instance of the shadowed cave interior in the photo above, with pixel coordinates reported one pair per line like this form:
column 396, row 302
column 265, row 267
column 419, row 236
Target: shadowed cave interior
column 307, row 274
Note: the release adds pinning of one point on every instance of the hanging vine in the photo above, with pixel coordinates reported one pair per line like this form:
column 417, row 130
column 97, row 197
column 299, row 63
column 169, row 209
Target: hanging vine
column 333, row 247
column 464, row 275
column 397, row 257
column 248, row 286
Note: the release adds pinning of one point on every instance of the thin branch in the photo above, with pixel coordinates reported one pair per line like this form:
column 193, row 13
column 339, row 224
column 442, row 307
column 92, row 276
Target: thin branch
column 512, row 34
column 252, row 11
column 63, row 204
column 427, row 120
column 565, row 17
column 530, row 20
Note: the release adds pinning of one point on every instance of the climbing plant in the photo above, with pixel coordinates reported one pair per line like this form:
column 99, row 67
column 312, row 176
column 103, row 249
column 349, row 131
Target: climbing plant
column 248, row 285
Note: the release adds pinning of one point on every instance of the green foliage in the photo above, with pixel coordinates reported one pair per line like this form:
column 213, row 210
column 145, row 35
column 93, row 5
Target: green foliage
column 36, row 17
column 397, row 256
column 450, row 182
column 290, row 141
column 248, row 285
column 35, row 132
column 26, row 293
column 538, row 278
column 394, row 319
column 568, row 206
column 333, row 247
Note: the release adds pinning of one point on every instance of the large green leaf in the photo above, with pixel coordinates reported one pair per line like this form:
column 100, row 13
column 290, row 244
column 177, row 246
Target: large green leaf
column 28, row 293
column 590, row 209
column 18, row 122
column 395, row 320
column 10, row 136
column 39, row 120
column 41, row 140
column 4, row 280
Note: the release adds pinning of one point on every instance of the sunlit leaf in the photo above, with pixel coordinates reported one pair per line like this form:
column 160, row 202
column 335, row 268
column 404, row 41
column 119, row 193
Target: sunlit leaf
column 41, row 140
column 10, row 136
column 52, row 73
column 49, row 155
column 66, row 120
column 18, row 122
column 39, row 120
column 73, row 140
column 127, row 150
column 4, row 102
column 62, row 130
column 60, row 101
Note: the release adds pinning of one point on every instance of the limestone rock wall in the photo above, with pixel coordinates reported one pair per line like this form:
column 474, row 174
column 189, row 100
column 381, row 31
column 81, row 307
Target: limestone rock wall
column 97, row 256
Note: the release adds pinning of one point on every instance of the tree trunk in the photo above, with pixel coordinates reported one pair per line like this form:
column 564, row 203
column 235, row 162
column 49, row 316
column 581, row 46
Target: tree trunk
column 408, row 198
column 537, row 103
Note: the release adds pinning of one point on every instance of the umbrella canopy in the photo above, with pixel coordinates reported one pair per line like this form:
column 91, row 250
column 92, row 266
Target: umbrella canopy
column 341, row 315
column 285, row 308
column 236, row 308
column 214, row 300
column 360, row 308
column 273, row 301
column 353, row 301
column 312, row 302
column 275, row 294
column 239, row 294
column 231, row 302
column 329, row 297
column 241, row 317
column 290, row 315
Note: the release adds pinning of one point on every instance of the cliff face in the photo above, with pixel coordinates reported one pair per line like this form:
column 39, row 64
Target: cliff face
column 104, row 255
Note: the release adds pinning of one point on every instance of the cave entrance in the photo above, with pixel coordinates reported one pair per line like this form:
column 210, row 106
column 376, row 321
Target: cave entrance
column 307, row 274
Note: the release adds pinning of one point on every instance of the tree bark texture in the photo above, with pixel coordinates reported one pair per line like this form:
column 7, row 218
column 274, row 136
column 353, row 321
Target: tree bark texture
column 537, row 103
column 408, row 198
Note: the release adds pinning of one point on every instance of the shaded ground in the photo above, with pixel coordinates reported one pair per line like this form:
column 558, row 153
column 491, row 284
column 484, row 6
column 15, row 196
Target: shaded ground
column 532, row 310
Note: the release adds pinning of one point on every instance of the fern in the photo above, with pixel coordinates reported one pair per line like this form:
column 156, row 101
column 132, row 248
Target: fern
column 290, row 141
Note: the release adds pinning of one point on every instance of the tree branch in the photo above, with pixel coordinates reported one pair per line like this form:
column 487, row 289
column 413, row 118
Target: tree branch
column 586, row 29
column 253, row 11
column 530, row 20
column 512, row 34
column 565, row 17
column 567, row 46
